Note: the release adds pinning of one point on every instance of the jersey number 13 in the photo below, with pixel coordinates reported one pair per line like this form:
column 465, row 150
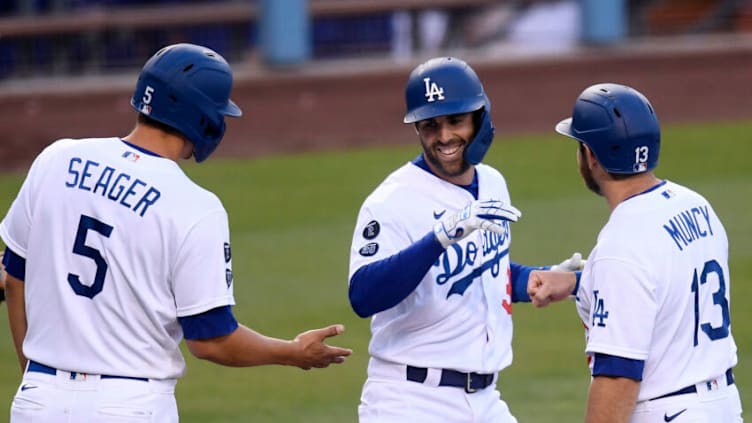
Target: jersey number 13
column 719, row 299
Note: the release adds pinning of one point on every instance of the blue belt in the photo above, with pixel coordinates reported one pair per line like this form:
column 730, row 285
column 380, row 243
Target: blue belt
column 693, row 389
column 41, row 368
column 472, row 382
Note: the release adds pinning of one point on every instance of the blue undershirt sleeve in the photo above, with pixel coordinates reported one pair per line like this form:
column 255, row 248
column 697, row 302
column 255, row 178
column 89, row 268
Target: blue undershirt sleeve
column 611, row 365
column 14, row 264
column 216, row 322
column 381, row 285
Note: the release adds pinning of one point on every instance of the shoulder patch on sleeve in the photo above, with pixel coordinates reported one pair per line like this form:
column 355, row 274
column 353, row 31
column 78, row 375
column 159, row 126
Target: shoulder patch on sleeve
column 228, row 252
column 228, row 277
column 371, row 230
column 369, row 249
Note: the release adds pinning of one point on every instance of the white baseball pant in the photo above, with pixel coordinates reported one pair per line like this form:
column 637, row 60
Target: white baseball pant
column 389, row 397
column 63, row 396
column 714, row 401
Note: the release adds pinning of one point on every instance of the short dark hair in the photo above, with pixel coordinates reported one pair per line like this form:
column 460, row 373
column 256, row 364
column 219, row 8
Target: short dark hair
column 146, row 120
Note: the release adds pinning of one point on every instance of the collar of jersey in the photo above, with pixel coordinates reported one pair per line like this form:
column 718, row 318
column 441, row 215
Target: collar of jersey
column 141, row 149
column 420, row 161
column 653, row 188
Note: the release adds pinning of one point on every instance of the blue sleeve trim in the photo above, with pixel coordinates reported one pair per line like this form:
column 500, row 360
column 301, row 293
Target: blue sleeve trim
column 14, row 264
column 611, row 365
column 381, row 285
column 520, row 275
column 209, row 324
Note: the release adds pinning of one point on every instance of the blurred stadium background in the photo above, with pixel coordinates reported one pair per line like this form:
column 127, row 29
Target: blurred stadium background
column 321, row 84
column 330, row 73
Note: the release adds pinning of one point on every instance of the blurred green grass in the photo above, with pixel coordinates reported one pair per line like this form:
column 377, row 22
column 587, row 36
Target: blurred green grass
column 292, row 219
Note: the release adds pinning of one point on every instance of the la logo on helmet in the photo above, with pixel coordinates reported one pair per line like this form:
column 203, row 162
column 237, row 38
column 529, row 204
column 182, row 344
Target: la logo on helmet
column 432, row 89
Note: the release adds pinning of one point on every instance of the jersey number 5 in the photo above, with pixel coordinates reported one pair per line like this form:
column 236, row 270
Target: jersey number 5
column 719, row 299
column 79, row 247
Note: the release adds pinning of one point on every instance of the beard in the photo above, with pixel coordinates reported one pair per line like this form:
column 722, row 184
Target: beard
column 443, row 168
column 587, row 176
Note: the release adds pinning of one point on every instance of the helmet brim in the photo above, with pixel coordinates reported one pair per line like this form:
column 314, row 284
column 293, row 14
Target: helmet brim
column 231, row 109
column 429, row 111
column 565, row 128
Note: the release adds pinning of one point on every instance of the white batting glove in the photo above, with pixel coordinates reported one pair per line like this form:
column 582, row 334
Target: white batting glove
column 487, row 215
column 572, row 264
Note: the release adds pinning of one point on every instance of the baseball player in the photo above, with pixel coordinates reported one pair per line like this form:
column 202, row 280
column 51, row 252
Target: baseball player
column 654, row 295
column 430, row 263
column 114, row 256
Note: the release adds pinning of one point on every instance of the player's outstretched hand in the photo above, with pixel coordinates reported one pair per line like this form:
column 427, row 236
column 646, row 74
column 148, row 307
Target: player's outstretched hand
column 546, row 286
column 480, row 214
column 313, row 352
column 572, row 264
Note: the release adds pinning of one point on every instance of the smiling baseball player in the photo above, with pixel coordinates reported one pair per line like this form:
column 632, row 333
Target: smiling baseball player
column 655, row 292
column 430, row 263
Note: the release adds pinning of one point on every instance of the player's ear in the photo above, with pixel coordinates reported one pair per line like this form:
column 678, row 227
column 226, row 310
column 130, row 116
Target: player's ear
column 187, row 150
column 588, row 156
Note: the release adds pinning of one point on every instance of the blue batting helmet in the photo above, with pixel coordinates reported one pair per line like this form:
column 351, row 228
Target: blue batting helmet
column 447, row 86
column 187, row 87
column 619, row 126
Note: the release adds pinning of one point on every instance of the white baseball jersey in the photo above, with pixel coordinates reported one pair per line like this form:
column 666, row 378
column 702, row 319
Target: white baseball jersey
column 118, row 244
column 459, row 316
column 656, row 288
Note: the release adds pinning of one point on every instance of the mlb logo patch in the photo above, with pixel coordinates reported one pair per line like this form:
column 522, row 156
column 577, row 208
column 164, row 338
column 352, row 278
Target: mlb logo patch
column 146, row 109
column 129, row 155
column 667, row 194
column 640, row 167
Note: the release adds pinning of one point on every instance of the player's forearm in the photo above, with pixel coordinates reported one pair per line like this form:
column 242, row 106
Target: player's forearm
column 14, row 295
column 243, row 348
column 611, row 399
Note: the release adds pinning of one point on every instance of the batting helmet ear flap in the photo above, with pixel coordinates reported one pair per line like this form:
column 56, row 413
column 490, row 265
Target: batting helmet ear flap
column 480, row 144
column 212, row 133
